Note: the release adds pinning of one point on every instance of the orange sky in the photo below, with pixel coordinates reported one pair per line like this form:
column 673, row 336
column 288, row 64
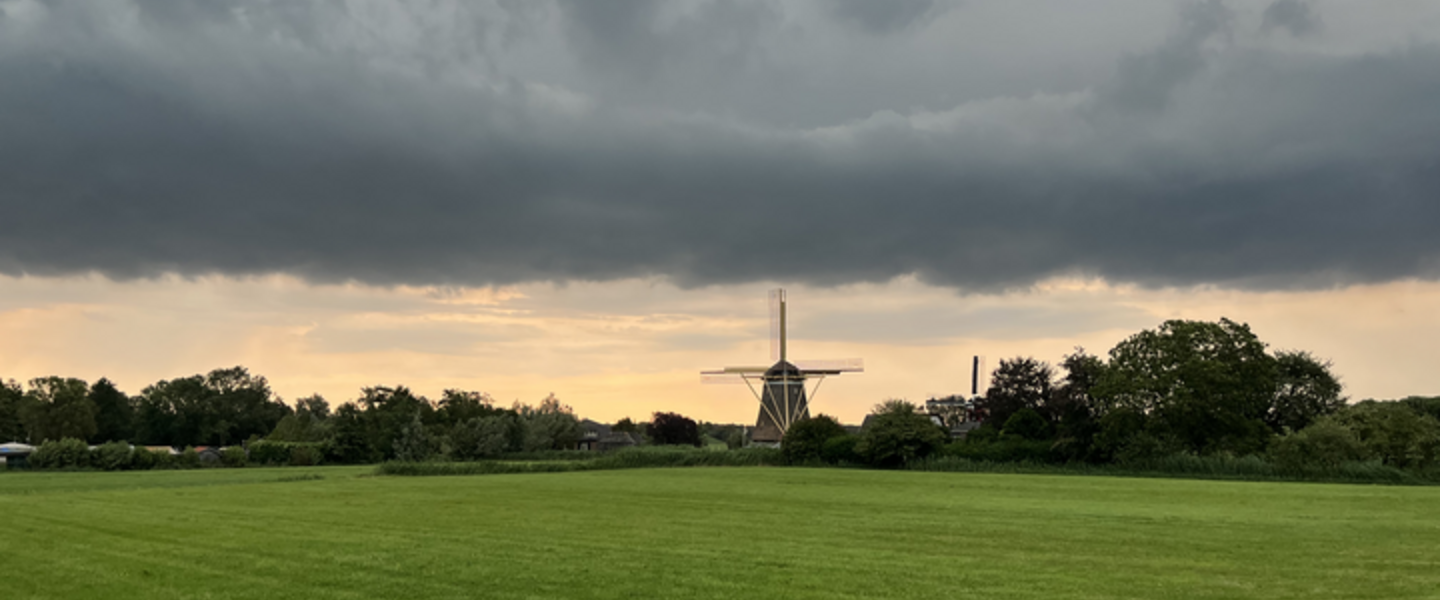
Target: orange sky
column 629, row 348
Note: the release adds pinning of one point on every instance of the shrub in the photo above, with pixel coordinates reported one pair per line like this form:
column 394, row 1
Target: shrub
column 269, row 453
column 304, row 456
column 233, row 456
column 1009, row 449
column 188, row 459
column 111, row 456
column 480, row 437
column 1326, row 443
column 142, row 459
column 841, row 450
column 897, row 435
column 805, row 440
column 68, row 453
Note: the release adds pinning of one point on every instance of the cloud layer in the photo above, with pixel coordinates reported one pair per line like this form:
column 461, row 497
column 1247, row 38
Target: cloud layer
column 721, row 142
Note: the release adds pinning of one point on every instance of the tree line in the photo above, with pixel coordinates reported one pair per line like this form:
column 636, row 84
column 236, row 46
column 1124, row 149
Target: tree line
column 1191, row 388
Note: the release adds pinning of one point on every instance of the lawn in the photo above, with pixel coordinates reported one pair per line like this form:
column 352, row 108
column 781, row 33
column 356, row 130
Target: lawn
column 708, row 533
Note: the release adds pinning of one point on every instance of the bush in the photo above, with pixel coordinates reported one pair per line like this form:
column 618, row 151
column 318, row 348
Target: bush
column 189, row 459
column 304, row 456
column 897, row 435
column 233, row 456
column 269, row 453
column 1009, row 449
column 142, row 459
column 841, row 450
column 1326, row 443
column 480, row 437
column 805, row 440
column 111, row 456
column 68, row 453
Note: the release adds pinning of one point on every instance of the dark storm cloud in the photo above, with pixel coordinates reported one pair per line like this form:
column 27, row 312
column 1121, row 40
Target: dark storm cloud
column 392, row 147
column 1294, row 16
column 883, row 17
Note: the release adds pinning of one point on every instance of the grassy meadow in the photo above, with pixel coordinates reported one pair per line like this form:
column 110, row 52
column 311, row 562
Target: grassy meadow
column 341, row 532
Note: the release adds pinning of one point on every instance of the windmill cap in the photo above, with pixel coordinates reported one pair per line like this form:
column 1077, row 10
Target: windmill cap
column 784, row 369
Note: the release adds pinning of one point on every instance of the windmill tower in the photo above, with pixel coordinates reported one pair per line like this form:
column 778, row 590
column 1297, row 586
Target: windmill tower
column 782, row 386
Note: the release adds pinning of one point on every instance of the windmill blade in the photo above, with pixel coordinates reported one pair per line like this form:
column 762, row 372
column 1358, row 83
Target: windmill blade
column 839, row 365
column 721, row 379
column 777, row 296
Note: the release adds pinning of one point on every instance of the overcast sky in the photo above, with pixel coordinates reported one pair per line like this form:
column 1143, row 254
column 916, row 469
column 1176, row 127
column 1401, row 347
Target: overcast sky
column 938, row 178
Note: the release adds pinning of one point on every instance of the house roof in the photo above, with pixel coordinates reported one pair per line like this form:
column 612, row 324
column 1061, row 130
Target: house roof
column 16, row 448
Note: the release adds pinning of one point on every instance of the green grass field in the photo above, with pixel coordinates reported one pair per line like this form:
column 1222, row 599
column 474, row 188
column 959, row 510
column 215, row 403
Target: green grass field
column 707, row 533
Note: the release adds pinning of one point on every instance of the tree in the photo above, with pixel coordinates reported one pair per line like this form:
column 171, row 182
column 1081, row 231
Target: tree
column 1305, row 391
column 1394, row 432
column 549, row 426
column 59, row 408
column 309, row 422
column 1027, row 424
column 222, row 407
column 1325, row 443
column 1018, row 383
column 1072, row 407
column 114, row 415
column 673, row 429
column 413, row 443
column 898, row 434
column 459, row 406
column 350, row 443
column 12, row 424
column 481, row 437
column 1207, row 385
column 805, row 440
column 388, row 410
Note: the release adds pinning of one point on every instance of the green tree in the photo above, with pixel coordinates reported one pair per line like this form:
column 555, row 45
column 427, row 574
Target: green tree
column 12, row 401
column 459, row 406
column 1325, row 443
column 549, row 426
column 673, row 429
column 350, row 443
column 388, row 410
column 481, row 437
column 413, row 443
column 897, row 434
column 59, row 408
column 1073, row 408
column 1208, row 385
column 1305, row 391
column 805, row 440
column 114, row 414
column 1027, row 424
column 1018, row 383
column 309, row 422
column 1394, row 432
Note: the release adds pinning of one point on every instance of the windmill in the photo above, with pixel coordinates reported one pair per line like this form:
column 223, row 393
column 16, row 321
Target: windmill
column 782, row 394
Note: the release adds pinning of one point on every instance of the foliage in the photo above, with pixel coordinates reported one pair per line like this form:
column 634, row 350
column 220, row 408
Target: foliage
column 304, row 456
column 12, row 424
column 1207, row 385
column 222, row 407
column 64, row 453
column 413, row 443
column 840, row 450
column 142, row 459
column 898, row 434
column 58, row 408
column 309, row 423
column 673, row 429
column 1394, row 432
column 481, row 437
column 1072, row 407
column 805, row 440
column 189, row 459
column 233, row 457
column 1326, row 443
column 1305, row 391
column 1018, row 383
column 111, row 456
column 1026, row 424
column 550, row 426
column 114, row 415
